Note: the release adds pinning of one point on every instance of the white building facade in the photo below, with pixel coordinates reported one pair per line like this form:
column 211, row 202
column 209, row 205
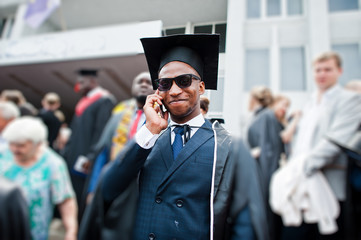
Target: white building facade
column 263, row 42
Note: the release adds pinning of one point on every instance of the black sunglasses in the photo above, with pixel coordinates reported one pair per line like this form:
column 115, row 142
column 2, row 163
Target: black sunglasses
column 182, row 81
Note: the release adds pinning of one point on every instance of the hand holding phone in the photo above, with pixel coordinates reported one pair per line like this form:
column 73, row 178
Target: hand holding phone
column 156, row 117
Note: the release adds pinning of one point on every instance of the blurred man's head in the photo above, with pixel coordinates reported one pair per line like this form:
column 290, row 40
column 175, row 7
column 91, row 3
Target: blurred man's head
column 86, row 81
column 51, row 101
column 142, row 87
column 25, row 135
column 8, row 112
column 327, row 69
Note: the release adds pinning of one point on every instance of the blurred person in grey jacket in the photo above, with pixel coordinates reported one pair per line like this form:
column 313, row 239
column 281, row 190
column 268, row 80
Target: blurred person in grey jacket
column 335, row 113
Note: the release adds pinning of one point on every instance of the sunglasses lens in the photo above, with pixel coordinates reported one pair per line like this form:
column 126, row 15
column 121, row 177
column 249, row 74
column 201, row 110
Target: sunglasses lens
column 184, row 81
column 165, row 84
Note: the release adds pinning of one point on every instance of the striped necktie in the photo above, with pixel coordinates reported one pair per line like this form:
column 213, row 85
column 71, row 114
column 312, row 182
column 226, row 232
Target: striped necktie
column 178, row 141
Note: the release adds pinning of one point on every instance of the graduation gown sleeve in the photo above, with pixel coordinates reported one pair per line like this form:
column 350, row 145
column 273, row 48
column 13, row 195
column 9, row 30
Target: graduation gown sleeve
column 248, row 199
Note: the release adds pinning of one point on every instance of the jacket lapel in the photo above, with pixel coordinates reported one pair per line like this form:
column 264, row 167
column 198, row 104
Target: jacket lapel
column 165, row 148
column 199, row 138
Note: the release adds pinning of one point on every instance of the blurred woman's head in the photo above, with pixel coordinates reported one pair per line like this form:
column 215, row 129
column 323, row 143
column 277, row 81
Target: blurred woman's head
column 204, row 103
column 280, row 106
column 25, row 136
column 260, row 96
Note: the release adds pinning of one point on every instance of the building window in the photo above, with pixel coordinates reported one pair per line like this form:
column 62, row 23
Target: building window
column 6, row 27
column 214, row 28
column 253, row 8
column 351, row 61
column 257, row 68
column 342, row 5
column 273, row 7
column 203, row 29
column 294, row 7
column 173, row 31
column 222, row 30
column 293, row 69
column 2, row 26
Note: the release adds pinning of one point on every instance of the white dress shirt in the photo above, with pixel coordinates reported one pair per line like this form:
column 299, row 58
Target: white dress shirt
column 309, row 121
column 146, row 139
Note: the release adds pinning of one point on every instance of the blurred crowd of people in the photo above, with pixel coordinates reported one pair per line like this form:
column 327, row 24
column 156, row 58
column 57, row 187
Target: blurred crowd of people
column 301, row 158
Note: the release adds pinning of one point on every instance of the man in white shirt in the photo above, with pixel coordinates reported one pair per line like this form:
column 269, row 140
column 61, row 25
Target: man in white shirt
column 334, row 113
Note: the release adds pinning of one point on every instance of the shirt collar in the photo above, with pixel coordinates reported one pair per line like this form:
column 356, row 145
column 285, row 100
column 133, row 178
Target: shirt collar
column 329, row 93
column 332, row 90
column 197, row 121
column 94, row 91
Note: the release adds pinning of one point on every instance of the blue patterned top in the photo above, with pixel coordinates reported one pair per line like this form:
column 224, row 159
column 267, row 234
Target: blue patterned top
column 45, row 184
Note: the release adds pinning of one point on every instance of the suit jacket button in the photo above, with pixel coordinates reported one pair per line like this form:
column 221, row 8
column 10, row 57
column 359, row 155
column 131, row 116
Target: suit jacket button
column 158, row 200
column 179, row 203
column 151, row 236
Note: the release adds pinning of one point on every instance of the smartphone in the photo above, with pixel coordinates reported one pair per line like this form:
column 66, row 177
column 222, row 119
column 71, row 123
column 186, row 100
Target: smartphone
column 162, row 109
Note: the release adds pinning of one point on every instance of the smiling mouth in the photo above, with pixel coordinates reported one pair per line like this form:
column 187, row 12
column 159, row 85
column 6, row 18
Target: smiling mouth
column 177, row 101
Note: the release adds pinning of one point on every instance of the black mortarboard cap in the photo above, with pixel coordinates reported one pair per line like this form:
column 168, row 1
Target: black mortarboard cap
column 200, row 51
column 87, row 72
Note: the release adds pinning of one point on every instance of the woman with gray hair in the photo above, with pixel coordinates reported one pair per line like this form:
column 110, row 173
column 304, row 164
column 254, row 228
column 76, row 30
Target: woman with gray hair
column 42, row 175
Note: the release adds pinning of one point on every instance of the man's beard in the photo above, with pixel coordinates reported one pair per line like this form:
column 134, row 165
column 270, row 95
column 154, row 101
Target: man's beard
column 141, row 99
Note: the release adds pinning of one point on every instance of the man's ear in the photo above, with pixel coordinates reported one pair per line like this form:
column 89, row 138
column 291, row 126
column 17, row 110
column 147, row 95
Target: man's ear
column 202, row 88
column 340, row 70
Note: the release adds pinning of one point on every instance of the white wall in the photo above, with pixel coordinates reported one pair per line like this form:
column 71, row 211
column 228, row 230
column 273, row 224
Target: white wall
column 315, row 30
column 81, row 44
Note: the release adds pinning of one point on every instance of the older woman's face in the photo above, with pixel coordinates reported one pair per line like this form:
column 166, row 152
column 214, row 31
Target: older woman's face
column 24, row 151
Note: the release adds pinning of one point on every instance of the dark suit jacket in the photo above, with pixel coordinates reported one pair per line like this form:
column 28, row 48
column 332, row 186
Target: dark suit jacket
column 174, row 195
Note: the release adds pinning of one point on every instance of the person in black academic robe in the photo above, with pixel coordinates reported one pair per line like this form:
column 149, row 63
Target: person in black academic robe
column 14, row 216
column 91, row 115
column 265, row 135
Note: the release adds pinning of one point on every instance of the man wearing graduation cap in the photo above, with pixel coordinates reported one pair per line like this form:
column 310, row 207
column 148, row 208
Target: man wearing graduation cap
column 91, row 114
column 194, row 183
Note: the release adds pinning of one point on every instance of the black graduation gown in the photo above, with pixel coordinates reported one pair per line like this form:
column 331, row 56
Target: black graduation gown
column 14, row 216
column 264, row 132
column 86, row 131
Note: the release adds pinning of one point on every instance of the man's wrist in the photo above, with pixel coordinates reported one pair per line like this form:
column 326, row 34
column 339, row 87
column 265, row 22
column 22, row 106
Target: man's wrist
column 145, row 138
column 153, row 128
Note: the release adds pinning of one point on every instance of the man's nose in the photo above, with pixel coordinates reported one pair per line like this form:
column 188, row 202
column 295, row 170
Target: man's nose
column 175, row 90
